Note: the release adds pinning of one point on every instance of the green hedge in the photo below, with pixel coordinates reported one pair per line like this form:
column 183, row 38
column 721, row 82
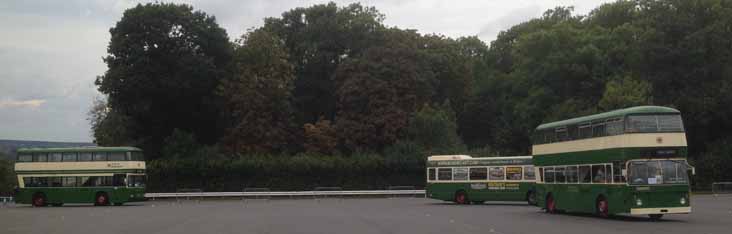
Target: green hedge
column 299, row 172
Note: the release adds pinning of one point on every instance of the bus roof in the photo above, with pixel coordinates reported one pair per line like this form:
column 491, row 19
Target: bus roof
column 610, row 114
column 78, row 149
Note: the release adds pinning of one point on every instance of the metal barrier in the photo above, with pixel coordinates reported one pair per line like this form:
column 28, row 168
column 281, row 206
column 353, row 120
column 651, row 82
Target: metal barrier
column 259, row 190
column 6, row 200
column 313, row 194
column 721, row 187
column 402, row 187
column 191, row 192
column 325, row 195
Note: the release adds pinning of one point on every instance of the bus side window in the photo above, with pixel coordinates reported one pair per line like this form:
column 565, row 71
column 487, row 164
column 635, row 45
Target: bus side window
column 514, row 173
column 85, row 157
column 444, row 174
column 100, row 156
column 571, row 174
column 598, row 129
column 55, row 181
column 598, row 174
column 584, row 174
column 529, row 173
column 40, row 157
column 431, row 174
column 118, row 180
column 54, row 157
column 549, row 174
column 460, row 173
column 496, row 173
column 69, row 157
column 559, row 176
column 25, row 158
column 478, row 173
column 618, row 168
column 561, row 133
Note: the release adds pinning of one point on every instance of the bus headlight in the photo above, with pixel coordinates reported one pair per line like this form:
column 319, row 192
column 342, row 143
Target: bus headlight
column 682, row 201
column 638, row 202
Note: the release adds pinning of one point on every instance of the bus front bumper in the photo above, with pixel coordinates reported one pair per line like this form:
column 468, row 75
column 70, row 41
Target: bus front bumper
column 667, row 210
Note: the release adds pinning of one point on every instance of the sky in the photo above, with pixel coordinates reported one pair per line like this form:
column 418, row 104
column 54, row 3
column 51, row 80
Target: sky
column 51, row 51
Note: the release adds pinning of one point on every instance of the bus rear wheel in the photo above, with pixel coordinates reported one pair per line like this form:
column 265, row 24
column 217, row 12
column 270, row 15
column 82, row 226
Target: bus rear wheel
column 102, row 199
column 655, row 217
column 551, row 205
column 39, row 199
column 602, row 207
column 461, row 197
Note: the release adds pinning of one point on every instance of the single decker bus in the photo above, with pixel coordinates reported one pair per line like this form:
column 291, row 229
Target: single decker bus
column 630, row 161
column 464, row 179
column 98, row 175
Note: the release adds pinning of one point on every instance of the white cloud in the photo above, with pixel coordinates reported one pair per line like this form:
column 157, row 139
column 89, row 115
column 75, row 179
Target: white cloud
column 33, row 103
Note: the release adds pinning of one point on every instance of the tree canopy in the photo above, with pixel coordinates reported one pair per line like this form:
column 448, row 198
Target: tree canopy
column 331, row 79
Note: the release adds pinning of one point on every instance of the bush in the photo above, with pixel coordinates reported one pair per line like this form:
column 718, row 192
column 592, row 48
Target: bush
column 7, row 177
column 282, row 172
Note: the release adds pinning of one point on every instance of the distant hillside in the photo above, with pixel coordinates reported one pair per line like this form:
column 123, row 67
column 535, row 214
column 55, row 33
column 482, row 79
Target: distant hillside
column 8, row 147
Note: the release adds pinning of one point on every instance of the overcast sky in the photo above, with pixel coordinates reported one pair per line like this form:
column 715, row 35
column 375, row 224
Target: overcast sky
column 50, row 51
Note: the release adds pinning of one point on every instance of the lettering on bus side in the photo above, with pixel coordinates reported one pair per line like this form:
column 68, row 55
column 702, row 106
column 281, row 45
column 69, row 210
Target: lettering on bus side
column 476, row 162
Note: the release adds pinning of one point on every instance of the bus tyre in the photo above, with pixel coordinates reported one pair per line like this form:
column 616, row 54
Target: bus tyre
column 531, row 198
column 551, row 204
column 102, row 199
column 655, row 217
column 461, row 197
column 602, row 207
column 39, row 199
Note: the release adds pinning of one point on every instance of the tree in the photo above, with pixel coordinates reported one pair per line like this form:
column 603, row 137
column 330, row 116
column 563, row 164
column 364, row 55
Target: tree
column 626, row 92
column 435, row 130
column 257, row 95
column 164, row 63
column 109, row 127
column 319, row 38
column 320, row 137
column 378, row 91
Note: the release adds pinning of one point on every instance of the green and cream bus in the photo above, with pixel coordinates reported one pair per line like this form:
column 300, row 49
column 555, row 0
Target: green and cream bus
column 630, row 161
column 464, row 179
column 99, row 175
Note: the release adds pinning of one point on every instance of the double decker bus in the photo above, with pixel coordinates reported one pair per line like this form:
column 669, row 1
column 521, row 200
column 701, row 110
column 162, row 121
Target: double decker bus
column 464, row 179
column 630, row 161
column 99, row 175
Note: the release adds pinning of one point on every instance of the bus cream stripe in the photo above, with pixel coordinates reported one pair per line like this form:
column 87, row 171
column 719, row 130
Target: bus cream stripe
column 59, row 166
column 669, row 210
column 609, row 142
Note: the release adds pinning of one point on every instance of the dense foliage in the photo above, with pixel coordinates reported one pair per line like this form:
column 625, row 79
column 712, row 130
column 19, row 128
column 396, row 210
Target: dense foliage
column 7, row 177
column 335, row 81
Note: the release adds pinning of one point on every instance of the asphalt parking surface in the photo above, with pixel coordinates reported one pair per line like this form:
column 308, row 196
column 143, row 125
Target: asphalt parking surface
column 711, row 214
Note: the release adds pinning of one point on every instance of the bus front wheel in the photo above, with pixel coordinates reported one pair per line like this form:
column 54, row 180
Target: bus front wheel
column 461, row 197
column 39, row 199
column 655, row 217
column 602, row 207
column 551, row 205
column 102, row 199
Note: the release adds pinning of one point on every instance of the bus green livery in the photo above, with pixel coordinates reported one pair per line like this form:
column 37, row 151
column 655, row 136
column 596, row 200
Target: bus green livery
column 464, row 179
column 98, row 175
column 627, row 161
